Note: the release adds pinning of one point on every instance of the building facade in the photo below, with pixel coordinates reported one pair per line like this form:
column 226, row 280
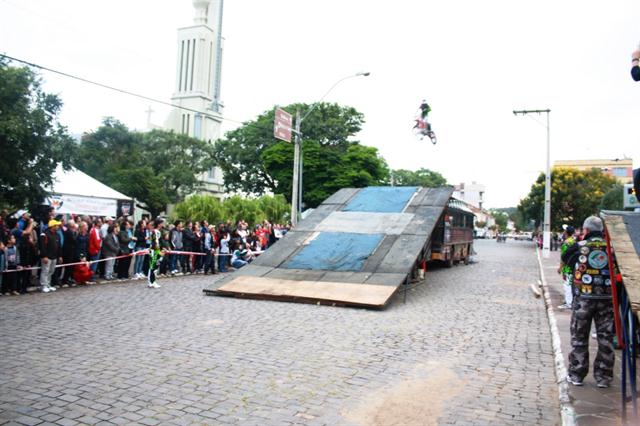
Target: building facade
column 470, row 193
column 197, row 84
column 620, row 168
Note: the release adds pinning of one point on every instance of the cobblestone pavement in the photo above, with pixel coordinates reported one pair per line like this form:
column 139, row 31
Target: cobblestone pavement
column 470, row 346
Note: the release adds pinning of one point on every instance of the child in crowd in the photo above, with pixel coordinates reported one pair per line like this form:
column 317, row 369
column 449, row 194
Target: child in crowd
column 238, row 257
column 9, row 283
column 82, row 273
column 155, row 252
column 28, row 259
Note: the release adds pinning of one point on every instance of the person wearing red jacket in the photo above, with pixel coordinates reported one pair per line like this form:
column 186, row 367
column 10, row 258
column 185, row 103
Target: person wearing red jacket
column 95, row 243
column 82, row 273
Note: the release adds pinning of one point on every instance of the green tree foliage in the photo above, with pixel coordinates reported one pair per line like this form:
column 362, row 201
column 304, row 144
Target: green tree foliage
column 255, row 163
column 501, row 219
column 613, row 199
column 575, row 195
column 205, row 207
column 421, row 177
column 32, row 141
column 157, row 167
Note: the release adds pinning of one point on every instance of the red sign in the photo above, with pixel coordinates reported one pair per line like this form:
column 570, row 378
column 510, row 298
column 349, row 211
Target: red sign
column 282, row 125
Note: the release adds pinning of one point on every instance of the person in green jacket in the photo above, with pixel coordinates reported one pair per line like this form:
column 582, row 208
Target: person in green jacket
column 568, row 239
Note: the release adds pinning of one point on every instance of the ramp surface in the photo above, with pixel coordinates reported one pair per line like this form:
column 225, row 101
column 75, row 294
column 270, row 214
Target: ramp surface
column 624, row 233
column 355, row 249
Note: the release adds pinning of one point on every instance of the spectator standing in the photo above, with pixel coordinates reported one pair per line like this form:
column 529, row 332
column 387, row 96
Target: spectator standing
column 125, row 241
column 223, row 254
column 176, row 245
column 110, row 249
column 591, row 302
column 188, row 242
column 95, row 244
column 69, row 250
column 28, row 259
column 210, row 245
column 565, row 270
column 4, row 231
column 3, row 263
column 82, row 241
column 165, row 245
column 140, row 245
column 50, row 254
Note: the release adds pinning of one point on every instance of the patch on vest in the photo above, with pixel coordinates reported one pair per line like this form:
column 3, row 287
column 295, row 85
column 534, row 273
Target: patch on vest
column 598, row 259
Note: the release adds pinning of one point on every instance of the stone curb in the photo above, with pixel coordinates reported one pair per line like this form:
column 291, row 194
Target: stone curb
column 567, row 411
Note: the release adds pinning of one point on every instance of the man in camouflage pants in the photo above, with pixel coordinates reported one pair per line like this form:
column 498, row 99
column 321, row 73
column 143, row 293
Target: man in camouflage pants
column 591, row 302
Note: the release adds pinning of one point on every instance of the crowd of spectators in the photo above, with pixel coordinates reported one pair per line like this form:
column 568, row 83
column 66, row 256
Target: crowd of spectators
column 104, row 248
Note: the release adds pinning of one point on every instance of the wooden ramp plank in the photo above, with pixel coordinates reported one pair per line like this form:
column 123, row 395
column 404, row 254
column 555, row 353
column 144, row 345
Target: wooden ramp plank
column 626, row 256
column 365, row 295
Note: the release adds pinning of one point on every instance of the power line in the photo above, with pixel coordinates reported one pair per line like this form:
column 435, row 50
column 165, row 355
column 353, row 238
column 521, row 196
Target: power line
column 126, row 92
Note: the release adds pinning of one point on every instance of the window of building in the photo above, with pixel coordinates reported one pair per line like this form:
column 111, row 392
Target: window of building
column 620, row 172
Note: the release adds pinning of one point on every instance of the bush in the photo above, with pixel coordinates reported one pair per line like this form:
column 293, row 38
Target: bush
column 205, row 207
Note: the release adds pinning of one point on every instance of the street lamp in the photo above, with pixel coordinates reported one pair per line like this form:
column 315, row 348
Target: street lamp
column 296, row 196
column 546, row 229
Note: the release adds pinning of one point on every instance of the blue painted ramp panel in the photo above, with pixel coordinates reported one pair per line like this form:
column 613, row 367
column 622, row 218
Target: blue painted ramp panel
column 381, row 199
column 336, row 251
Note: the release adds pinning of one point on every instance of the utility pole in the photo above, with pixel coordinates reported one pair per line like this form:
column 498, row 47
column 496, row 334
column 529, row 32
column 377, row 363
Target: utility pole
column 295, row 193
column 546, row 230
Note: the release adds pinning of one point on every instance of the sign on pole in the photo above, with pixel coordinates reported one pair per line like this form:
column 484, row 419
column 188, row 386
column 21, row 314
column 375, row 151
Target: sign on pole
column 282, row 125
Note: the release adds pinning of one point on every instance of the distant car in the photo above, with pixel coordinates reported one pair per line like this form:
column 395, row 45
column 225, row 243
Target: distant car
column 480, row 233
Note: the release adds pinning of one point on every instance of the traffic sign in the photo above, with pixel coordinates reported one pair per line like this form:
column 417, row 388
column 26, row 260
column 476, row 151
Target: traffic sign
column 282, row 125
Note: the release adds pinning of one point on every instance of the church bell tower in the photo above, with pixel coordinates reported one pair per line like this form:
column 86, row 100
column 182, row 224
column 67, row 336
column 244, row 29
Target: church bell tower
column 197, row 84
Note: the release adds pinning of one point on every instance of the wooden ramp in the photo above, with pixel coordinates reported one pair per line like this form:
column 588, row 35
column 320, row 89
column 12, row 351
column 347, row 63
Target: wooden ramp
column 356, row 249
column 326, row 293
column 624, row 233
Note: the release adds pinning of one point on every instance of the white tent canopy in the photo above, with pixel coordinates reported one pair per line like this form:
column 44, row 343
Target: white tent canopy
column 75, row 192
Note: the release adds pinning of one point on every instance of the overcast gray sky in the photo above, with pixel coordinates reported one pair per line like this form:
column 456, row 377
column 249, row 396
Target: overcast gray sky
column 474, row 61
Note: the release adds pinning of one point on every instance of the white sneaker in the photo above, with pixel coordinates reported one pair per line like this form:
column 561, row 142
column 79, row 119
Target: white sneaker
column 52, row 289
column 151, row 285
column 156, row 285
column 46, row 289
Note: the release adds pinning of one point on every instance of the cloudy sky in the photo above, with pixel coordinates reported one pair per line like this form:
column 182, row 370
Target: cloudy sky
column 473, row 61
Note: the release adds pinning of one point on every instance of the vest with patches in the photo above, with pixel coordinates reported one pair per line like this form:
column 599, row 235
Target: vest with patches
column 591, row 277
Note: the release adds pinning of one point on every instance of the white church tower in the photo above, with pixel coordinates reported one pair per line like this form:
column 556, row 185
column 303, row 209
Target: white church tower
column 197, row 86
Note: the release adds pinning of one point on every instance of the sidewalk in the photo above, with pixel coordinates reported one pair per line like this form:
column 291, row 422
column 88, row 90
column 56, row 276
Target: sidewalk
column 592, row 405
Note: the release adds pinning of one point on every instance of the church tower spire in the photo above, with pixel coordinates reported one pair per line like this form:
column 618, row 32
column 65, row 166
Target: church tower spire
column 197, row 84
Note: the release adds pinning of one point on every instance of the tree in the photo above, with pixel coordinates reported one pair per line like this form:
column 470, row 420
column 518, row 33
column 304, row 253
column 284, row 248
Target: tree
column 255, row 163
column 157, row 167
column 32, row 140
column 613, row 199
column 575, row 195
column 421, row 177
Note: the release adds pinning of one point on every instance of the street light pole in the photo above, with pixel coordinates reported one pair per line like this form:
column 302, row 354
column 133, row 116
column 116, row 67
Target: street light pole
column 296, row 193
column 546, row 229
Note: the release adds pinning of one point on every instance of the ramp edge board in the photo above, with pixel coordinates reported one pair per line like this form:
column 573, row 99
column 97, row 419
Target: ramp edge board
column 363, row 295
column 626, row 256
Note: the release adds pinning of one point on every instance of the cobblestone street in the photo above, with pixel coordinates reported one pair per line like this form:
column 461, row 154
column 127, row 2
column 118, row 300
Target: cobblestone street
column 470, row 346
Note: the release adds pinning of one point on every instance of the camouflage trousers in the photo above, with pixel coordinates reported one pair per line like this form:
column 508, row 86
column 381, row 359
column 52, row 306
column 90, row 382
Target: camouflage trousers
column 584, row 311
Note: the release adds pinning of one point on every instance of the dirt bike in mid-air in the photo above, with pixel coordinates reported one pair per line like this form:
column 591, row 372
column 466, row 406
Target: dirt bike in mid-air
column 422, row 127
